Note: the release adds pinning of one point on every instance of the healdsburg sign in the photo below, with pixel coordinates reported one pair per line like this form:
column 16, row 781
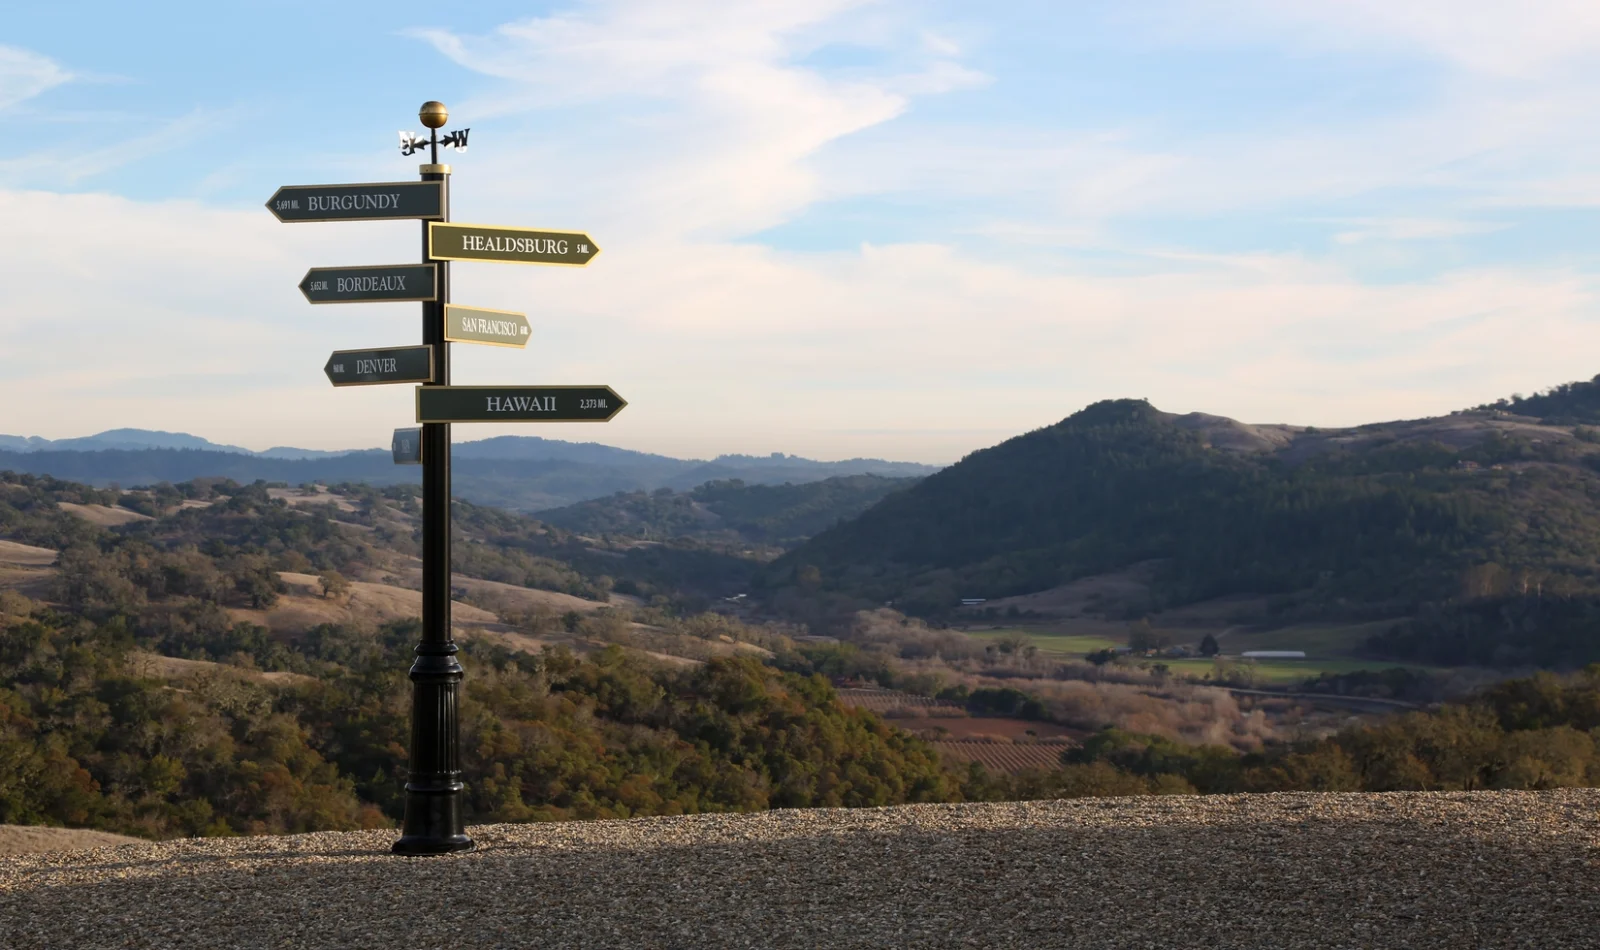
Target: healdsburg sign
column 448, row 241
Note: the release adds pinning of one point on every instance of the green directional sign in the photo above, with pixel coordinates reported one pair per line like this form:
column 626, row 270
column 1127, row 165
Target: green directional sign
column 369, row 284
column 517, row 403
column 394, row 364
column 493, row 327
column 449, row 241
column 367, row 201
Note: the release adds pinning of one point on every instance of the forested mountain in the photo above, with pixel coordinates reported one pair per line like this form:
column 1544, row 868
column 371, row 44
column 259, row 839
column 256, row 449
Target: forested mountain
column 1388, row 518
column 728, row 510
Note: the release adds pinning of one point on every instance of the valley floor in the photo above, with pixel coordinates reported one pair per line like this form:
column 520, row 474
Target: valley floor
column 1486, row 869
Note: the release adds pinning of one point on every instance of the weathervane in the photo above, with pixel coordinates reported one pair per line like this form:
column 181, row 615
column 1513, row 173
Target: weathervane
column 433, row 115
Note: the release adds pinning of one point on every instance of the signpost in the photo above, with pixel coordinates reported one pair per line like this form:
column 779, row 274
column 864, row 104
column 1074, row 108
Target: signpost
column 517, row 404
column 397, row 364
column 391, row 282
column 372, row 201
column 493, row 327
column 433, row 820
column 491, row 242
column 407, row 446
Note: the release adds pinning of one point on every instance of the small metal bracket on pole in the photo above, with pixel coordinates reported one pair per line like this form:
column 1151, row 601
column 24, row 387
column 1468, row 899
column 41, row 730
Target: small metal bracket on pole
column 407, row 446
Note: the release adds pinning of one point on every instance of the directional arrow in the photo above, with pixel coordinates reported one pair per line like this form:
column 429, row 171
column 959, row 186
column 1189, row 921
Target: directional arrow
column 367, row 284
column 517, row 403
column 367, row 201
column 394, row 364
column 477, row 325
column 489, row 242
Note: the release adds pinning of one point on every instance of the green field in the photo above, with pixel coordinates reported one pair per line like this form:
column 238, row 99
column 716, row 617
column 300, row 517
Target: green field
column 1330, row 648
column 1278, row 672
column 1059, row 644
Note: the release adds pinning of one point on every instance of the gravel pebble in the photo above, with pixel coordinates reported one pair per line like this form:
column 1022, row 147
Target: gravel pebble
column 1402, row 870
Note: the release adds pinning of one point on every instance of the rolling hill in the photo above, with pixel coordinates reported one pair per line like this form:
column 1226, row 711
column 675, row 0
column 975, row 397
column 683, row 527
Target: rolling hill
column 1469, row 522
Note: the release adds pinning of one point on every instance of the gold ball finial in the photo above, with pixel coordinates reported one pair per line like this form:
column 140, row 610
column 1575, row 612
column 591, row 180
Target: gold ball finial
column 433, row 114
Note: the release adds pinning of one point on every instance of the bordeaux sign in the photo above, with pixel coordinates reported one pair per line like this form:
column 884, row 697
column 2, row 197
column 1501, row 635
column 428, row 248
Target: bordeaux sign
column 517, row 404
column 389, row 282
column 491, row 242
column 369, row 201
column 493, row 327
column 395, row 364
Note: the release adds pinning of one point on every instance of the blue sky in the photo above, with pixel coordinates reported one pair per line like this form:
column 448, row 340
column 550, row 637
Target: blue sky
column 830, row 227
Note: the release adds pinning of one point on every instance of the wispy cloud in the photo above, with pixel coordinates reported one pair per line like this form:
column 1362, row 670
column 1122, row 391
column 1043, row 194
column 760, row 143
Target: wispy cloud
column 1364, row 230
column 70, row 165
column 1515, row 40
column 25, row 74
column 727, row 113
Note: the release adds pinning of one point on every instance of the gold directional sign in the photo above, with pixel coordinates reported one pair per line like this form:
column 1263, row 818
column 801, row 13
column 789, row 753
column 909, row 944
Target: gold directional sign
column 366, row 201
column 517, row 404
column 449, row 241
column 493, row 327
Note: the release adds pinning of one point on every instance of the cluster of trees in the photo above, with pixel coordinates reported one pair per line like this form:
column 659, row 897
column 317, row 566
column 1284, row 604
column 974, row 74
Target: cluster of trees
column 30, row 512
column 1536, row 733
column 1560, row 631
column 1566, row 404
column 89, row 736
column 171, row 580
column 85, row 740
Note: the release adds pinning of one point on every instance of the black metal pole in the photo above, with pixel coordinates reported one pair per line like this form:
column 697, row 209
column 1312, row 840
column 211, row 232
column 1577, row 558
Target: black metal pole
column 433, row 822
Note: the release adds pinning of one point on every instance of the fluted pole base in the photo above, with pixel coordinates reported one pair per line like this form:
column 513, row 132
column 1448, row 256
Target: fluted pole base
column 433, row 822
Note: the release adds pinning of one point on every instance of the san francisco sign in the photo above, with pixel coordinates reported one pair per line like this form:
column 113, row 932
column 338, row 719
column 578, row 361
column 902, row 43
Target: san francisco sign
column 368, row 284
column 368, row 201
column 517, row 404
column 478, row 325
column 448, row 241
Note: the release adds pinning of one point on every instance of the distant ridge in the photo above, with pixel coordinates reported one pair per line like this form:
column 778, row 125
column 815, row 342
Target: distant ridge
column 116, row 439
column 523, row 473
column 524, row 448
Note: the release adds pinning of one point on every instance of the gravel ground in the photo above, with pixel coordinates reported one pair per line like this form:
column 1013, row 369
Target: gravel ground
column 1420, row 870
